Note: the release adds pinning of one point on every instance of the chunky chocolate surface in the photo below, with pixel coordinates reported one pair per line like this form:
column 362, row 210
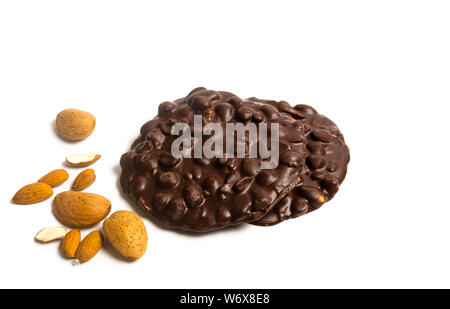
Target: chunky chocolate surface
column 326, row 167
column 200, row 194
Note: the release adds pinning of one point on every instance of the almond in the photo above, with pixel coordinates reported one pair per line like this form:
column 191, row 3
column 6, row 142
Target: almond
column 74, row 124
column 55, row 178
column 126, row 232
column 84, row 180
column 33, row 193
column 70, row 243
column 51, row 233
column 89, row 246
column 82, row 159
column 80, row 209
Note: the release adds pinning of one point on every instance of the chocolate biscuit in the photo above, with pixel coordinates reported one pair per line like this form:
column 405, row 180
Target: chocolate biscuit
column 325, row 169
column 201, row 194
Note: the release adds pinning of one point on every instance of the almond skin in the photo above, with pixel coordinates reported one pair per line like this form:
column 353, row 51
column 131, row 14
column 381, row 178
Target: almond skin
column 126, row 232
column 80, row 209
column 84, row 180
column 70, row 243
column 82, row 159
column 33, row 193
column 74, row 124
column 89, row 246
column 55, row 178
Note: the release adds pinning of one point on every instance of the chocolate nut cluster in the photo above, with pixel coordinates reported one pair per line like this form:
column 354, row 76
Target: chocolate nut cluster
column 201, row 193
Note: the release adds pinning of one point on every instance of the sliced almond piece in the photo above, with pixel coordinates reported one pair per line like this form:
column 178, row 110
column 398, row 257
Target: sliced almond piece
column 82, row 159
column 51, row 233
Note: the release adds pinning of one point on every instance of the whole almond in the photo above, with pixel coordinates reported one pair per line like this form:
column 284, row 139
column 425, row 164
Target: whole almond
column 70, row 243
column 74, row 124
column 84, row 180
column 82, row 159
column 80, row 209
column 126, row 232
column 89, row 246
column 33, row 193
column 51, row 233
column 55, row 178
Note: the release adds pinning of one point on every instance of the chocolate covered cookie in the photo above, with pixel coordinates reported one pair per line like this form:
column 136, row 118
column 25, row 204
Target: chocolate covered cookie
column 203, row 193
column 326, row 167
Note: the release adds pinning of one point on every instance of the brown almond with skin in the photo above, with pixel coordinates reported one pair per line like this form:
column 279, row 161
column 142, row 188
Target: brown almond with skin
column 89, row 246
column 126, row 232
column 33, row 193
column 80, row 209
column 55, row 178
column 84, row 180
column 74, row 124
column 70, row 243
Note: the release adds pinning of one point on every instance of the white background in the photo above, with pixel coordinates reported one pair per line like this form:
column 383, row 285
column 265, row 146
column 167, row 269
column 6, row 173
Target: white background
column 379, row 69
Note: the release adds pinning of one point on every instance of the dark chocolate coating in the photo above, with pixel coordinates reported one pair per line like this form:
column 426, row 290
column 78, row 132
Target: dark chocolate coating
column 200, row 194
column 326, row 167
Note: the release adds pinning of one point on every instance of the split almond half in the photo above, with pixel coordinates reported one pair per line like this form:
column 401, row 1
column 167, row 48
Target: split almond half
column 51, row 233
column 82, row 159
